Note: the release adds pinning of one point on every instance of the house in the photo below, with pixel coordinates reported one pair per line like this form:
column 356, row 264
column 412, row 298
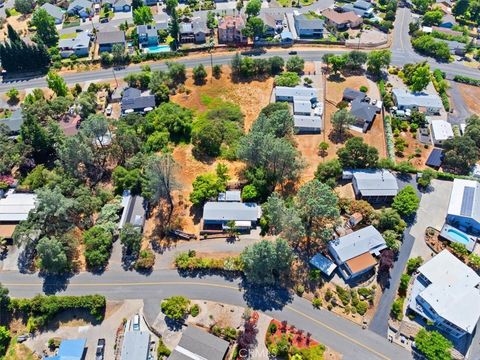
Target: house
column 82, row 8
column 14, row 122
column 448, row 21
column 230, row 30
column 135, row 345
column 350, row 94
column 134, row 211
column 342, row 20
column 14, row 207
column 361, row 8
column 73, row 349
column 435, row 159
column 54, row 11
column 286, row 37
column 441, row 131
column 273, row 21
column 355, row 253
column 284, row 93
column 323, row 263
column 230, row 195
column 119, row 5
column 133, row 100
column 364, row 112
column 106, row 40
column 147, row 35
column 446, row 292
column 199, row 344
column 429, row 104
column 447, row 31
column 218, row 214
column 373, row 185
column 464, row 207
column 309, row 26
column 456, row 47
column 78, row 45
column 194, row 31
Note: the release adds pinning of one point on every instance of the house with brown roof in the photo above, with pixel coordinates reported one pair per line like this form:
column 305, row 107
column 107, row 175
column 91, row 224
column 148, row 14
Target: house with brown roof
column 342, row 20
column 230, row 30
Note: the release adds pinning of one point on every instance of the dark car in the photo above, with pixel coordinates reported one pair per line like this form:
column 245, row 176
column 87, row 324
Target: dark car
column 104, row 20
column 293, row 52
column 100, row 353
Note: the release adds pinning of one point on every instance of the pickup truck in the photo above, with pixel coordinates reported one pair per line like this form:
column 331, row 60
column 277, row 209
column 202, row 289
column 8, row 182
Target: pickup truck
column 100, row 352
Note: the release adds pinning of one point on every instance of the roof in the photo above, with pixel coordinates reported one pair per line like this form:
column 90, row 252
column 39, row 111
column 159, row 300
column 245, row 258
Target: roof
column 133, row 211
column 230, row 195
column 231, row 22
column 133, row 98
column 16, row 206
column 82, row 40
column 15, row 121
column 71, row 349
column 197, row 344
column 200, row 25
column 110, row 37
column 366, row 240
column 299, row 91
column 340, row 17
column 308, row 121
column 305, row 22
column 7, row 230
column 375, row 182
column 419, row 99
column 442, row 130
column 302, row 106
column 323, row 264
column 351, row 94
column 447, row 31
column 54, row 11
column 186, row 28
column 149, row 30
column 435, row 158
column 363, row 110
column 360, row 4
column 361, row 262
column 453, row 290
column 136, row 345
column 272, row 18
column 454, row 45
column 80, row 4
column 226, row 211
column 465, row 199
column 448, row 18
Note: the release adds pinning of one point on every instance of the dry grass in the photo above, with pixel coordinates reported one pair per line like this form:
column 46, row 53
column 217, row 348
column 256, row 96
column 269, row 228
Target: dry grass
column 410, row 151
column 471, row 94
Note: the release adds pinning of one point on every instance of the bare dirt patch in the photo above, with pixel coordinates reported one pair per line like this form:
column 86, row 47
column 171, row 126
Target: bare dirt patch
column 411, row 153
column 470, row 94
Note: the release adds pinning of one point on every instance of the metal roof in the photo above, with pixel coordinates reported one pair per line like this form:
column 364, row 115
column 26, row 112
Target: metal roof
column 302, row 106
column 323, row 264
column 442, row 130
column 16, row 206
column 299, row 91
column 136, row 345
column 375, row 182
column 230, row 195
column 307, row 121
column 420, row 99
column 465, row 199
column 133, row 211
column 70, row 349
column 226, row 211
column 197, row 344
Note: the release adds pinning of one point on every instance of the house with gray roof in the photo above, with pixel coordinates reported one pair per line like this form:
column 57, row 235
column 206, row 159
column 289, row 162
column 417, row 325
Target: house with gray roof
column 134, row 211
column 135, row 345
column 106, row 40
column 364, row 112
column 430, row 104
column 308, row 26
column 216, row 215
column 273, row 22
column 361, row 8
column 14, row 121
column 78, row 45
column 134, row 100
column 456, row 47
column 199, row 344
column 356, row 253
column 82, row 8
column 350, row 94
column 147, row 35
column 54, row 11
column 373, row 185
column 119, row 5
column 230, row 195
column 464, row 207
column 194, row 31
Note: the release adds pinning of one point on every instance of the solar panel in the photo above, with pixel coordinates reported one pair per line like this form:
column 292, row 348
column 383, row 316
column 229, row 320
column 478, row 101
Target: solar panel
column 467, row 201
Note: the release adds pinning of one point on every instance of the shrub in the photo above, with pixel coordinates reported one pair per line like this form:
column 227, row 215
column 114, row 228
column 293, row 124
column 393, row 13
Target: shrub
column 195, row 310
column 404, row 281
column 162, row 350
column 145, row 260
column 397, row 309
column 317, row 303
column 343, row 295
column 300, row 289
column 361, row 307
column 175, row 307
column 272, row 328
column 413, row 264
column 363, row 88
column 328, row 295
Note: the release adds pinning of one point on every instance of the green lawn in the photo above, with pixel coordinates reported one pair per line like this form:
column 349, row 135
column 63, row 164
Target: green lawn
column 13, row 12
column 68, row 36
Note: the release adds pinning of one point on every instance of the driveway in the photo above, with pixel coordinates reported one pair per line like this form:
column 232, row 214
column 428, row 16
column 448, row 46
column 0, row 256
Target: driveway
column 460, row 108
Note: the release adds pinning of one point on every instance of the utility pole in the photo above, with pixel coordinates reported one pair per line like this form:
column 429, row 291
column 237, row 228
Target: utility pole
column 211, row 45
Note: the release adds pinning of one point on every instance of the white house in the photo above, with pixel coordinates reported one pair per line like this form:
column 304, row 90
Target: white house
column 441, row 131
column 355, row 253
column 14, row 207
column 373, row 185
column 446, row 292
column 218, row 214
column 464, row 207
column 427, row 103
column 78, row 45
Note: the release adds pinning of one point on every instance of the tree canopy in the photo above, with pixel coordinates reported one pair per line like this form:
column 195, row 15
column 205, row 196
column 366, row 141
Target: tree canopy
column 357, row 155
column 433, row 345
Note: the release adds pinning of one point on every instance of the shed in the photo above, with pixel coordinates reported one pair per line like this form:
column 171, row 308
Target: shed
column 323, row 264
column 441, row 131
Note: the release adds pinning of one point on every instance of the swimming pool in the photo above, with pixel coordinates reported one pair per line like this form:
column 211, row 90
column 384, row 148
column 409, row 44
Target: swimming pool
column 157, row 49
column 458, row 236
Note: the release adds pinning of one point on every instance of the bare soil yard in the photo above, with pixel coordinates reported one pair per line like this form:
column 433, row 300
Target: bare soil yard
column 471, row 95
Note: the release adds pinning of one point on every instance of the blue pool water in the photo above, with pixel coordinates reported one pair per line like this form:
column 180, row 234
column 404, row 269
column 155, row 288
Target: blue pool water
column 158, row 49
column 458, row 236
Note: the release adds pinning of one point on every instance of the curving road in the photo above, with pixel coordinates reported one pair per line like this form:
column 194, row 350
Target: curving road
column 332, row 330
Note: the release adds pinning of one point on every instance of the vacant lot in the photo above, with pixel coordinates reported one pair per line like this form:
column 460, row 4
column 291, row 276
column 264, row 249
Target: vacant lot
column 471, row 95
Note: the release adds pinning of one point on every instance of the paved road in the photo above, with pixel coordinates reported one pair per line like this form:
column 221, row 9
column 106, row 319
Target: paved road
column 337, row 333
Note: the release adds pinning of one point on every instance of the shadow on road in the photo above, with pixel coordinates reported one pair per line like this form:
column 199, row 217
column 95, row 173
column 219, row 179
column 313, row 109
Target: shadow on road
column 266, row 298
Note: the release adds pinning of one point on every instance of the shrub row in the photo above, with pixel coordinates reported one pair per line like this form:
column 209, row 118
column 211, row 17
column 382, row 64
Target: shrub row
column 466, row 80
column 189, row 261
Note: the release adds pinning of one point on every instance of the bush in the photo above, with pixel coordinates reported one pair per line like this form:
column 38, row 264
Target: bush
column 300, row 289
column 290, row 79
column 162, row 350
column 272, row 328
column 145, row 260
column 343, row 295
column 404, row 281
column 317, row 303
column 176, row 307
column 397, row 309
column 413, row 264
column 361, row 307
column 195, row 310
column 363, row 88
column 466, row 80
column 328, row 295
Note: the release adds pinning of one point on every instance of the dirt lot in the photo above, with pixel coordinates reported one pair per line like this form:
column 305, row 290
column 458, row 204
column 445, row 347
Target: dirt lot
column 410, row 151
column 471, row 94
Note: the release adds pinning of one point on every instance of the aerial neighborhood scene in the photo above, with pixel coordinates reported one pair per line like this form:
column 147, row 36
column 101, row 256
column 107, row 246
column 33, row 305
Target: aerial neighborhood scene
column 229, row 179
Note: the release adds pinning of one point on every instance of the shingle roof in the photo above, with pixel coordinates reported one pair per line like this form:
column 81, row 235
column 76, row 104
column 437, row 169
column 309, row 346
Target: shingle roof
column 340, row 18
column 82, row 40
column 199, row 344
column 14, row 122
column 226, row 211
column 237, row 22
column 375, row 182
column 134, row 99
column 110, row 37
column 363, row 111
column 305, row 22
column 149, row 30
column 360, row 4
column 351, row 94
column 54, row 11
column 81, row 4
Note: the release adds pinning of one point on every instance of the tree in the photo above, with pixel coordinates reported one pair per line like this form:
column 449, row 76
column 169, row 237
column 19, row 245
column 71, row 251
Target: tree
column 98, row 244
column 433, row 345
column 338, row 62
column 254, row 27
column 175, row 119
column 287, row 78
column 460, row 155
column 377, row 60
column 389, row 219
column 341, row 122
column 24, row 6
column 171, row 5
column 422, row 5
column 295, row 64
column 176, row 307
column 4, row 340
column 13, row 35
column 473, row 128
column 12, row 95
column 460, row 7
column 426, row 178
column 217, row 71
column 177, row 72
column 239, row 5
column 52, row 255
column 266, row 262
column 142, row 15
column 158, row 87
column 357, row 155
column 136, row 4
column 118, row 54
column 131, row 239
column 249, row 193
column 391, row 239
column 211, row 20
column 413, row 264
column 205, row 187
column 253, row 7
column 199, row 74
column 356, row 59
column 432, row 18
column 57, row 84
column 4, row 298
column 46, row 29
column 420, row 78
column 329, row 171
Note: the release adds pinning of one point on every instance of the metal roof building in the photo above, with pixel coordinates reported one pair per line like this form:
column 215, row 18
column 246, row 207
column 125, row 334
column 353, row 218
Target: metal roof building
column 133, row 211
column 222, row 212
column 420, row 101
column 16, row 206
column 464, row 207
column 230, row 195
column 441, row 131
column 136, row 345
column 197, row 344
column 323, row 264
column 374, row 184
column 284, row 93
column 72, row 349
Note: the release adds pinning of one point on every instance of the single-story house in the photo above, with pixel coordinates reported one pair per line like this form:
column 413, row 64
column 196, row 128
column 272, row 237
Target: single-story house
column 14, row 121
column 78, row 45
column 373, row 185
column 309, row 26
column 135, row 345
column 448, row 21
column 218, row 214
column 230, row 195
column 134, row 211
column 342, row 20
column 441, row 131
column 199, row 344
column 133, row 100
column 424, row 102
column 355, row 253
column 464, row 207
column 364, row 112
column 71, row 349
column 359, row 7
column 54, row 11
column 446, row 292
column 273, row 22
column 14, row 207
column 456, row 47
column 308, row 124
column 447, row 31
column 284, row 93
column 82, row 8
column 323, row 263
column 147, row 35
column 435, row 159
column 119, row 5
column 106, row 40
column 350, row 94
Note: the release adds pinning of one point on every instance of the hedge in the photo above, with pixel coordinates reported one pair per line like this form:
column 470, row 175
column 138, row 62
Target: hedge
column 189, row 261
column 466, row 80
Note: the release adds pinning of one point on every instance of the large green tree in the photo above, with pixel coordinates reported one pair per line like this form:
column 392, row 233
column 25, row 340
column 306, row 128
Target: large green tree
column 357, row 155
column 46, row 29
column 420, row 77
column 377, row 60
column 52, row 255
column 461, row 154
column 57, row 84
column 341, row 122
column 253, row 7
column 4, row 340
column 406, row 202
column 433, row 345
column 176, row 307
column 295, row 64
column 142, row 15
column 131, row 239
column 98, row 245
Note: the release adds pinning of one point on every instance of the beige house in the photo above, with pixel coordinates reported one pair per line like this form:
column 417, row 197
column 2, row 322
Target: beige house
column 230, row 30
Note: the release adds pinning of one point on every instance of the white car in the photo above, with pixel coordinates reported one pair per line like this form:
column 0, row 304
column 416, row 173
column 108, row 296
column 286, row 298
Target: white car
column 136, row 323
column 108, row 110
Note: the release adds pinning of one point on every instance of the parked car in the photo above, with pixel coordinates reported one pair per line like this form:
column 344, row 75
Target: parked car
column 22, row 338
column 293, row 52
column 108, row 110
column 136, row 323
column 78, row 30
column 104, row 20
column 100, row 353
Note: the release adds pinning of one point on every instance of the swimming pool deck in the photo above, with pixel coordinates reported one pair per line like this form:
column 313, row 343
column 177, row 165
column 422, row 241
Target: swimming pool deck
column 447, row 231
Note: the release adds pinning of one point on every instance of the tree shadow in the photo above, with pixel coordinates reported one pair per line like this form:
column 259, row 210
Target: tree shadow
column 229, row 275
column 339, row 138
column 53, row 284
column 25, row 260
column 173, row 325
column 336, row 78
column 266, row 298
